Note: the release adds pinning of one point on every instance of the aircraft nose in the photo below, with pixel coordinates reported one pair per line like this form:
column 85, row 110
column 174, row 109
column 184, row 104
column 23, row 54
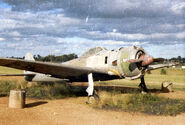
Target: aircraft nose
column 147, row 59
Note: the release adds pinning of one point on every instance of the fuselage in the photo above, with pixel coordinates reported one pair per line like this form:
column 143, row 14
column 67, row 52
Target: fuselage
column 114, row 62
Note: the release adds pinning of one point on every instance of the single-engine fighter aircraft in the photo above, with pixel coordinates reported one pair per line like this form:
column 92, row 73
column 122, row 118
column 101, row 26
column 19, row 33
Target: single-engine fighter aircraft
column 96, row 64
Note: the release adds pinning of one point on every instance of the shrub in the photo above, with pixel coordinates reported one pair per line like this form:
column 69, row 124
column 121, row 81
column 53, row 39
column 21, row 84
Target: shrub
column 163, row 72
column 6, row 86
column 149, row 72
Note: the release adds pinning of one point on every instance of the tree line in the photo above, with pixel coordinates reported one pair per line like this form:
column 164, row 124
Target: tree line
column 178, row 59
column 52, row 58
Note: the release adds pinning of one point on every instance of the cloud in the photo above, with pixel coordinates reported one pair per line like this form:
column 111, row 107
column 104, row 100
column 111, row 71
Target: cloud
column 178, row 8
column 64, row 24
column 1, row 39
column 101, row 8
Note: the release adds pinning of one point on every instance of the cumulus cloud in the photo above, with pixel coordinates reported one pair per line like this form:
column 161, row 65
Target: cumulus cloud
column 101, row 8
column 62, row 24
column 178, row 8
column 1, row 39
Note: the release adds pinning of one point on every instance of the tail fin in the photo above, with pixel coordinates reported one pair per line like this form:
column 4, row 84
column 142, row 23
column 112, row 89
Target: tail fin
column 29, row 57
column 29, row 75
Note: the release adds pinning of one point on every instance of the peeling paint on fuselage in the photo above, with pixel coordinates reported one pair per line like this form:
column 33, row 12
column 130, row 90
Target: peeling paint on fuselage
column 130, row 70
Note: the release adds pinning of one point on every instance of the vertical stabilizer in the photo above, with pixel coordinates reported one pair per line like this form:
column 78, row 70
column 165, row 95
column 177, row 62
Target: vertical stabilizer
column 29, row 57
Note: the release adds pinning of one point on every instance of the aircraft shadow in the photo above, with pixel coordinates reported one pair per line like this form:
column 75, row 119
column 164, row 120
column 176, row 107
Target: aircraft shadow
column 125, row 89
column 120, row 89
column 34, row 104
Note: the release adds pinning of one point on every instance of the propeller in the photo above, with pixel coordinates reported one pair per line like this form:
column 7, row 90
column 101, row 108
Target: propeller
column 146, row 60
column 158, row 59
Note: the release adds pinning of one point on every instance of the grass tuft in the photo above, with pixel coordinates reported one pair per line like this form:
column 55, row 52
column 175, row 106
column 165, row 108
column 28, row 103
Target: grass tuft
column 163, row 72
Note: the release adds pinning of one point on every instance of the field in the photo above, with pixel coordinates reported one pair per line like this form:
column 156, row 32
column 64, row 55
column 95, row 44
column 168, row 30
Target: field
column 71, row 108
column 154, row 80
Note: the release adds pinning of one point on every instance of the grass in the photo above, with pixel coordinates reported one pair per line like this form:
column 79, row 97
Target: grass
column 42, row 90
column 6, row 70
column 115, row 100
column 6, row 86
column 154, row 80
column 38, row 91
column 145, row 103
column 149, row 104
column 53, row 91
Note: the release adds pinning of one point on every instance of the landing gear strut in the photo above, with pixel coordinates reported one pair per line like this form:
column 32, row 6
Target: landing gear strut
column 142, row 85
column 92, row 94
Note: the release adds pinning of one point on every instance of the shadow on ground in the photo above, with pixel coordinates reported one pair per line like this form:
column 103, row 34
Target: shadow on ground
column 121, row 89
column 34, row 104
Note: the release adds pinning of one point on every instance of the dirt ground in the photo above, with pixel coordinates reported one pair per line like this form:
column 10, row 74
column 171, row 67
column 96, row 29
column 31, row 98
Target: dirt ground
column 74, row 111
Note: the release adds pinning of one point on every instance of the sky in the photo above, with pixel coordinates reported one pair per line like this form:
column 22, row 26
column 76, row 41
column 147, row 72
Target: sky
column 73, row 26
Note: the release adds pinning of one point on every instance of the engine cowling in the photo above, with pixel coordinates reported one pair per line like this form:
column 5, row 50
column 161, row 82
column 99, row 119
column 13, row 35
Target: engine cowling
column 127, row 68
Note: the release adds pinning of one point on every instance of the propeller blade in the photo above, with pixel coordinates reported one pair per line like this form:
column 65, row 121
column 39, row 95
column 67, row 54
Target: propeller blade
column 159, row 59
column 146, row 60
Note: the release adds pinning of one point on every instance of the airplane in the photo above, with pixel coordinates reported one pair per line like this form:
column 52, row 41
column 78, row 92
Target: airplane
column 97, row 64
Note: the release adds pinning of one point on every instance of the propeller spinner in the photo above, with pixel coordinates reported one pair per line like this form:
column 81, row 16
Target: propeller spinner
column 148, row 59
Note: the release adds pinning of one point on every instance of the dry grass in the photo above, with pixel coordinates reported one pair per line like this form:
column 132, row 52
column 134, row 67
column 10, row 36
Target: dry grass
column 6, row 70
column 154, row 80
column 109, row 100
column 145, row 103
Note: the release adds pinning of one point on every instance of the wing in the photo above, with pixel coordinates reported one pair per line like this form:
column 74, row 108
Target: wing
column 53, row 69
column 153, row 67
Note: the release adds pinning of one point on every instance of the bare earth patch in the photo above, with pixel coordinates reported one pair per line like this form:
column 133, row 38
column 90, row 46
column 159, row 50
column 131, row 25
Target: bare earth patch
column 74, row 111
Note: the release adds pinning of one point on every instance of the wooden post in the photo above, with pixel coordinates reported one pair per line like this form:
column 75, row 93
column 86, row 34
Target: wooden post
column 17, row 99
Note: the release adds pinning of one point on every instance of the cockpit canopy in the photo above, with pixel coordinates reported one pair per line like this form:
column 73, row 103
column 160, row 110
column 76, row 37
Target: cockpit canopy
column 93, row 51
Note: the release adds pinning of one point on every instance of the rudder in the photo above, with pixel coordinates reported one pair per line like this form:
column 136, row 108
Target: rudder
column 29, row 57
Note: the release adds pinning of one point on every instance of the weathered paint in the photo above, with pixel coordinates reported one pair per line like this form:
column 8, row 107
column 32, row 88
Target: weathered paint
column 129, row 70
column 125, row 64
column 114, row 72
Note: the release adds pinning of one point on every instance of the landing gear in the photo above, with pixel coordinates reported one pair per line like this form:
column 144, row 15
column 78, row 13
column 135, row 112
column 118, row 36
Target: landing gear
column 92, row 94
column 142, row 85
column 93, row 98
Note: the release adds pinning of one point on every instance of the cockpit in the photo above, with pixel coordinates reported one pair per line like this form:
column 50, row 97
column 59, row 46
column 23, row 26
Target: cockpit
column 93, row 51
